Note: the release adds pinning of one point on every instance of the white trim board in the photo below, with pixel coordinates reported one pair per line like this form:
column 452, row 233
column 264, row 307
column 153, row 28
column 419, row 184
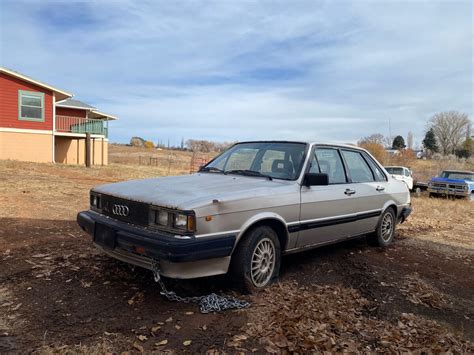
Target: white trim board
column 22, row 130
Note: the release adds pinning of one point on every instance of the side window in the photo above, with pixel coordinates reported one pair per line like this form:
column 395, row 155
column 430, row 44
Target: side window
column 330, row 163
column 314, row 165
column 379, row 176
column 407, row 173
column 359, row 170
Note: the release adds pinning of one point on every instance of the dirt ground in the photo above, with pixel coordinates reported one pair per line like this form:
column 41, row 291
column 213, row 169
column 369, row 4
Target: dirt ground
column 60, row 294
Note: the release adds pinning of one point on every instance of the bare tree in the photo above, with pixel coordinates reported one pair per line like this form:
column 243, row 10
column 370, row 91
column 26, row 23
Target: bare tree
column 376, row 138
column 410, row 140
column 450, row 129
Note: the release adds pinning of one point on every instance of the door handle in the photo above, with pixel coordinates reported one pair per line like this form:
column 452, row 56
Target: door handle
column 349, row 192
column 380, row 188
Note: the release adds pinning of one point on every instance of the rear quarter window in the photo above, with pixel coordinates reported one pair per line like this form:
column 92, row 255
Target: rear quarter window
column 378, row 174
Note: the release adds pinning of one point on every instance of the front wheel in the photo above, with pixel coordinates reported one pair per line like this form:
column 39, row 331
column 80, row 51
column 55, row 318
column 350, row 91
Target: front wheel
column 385, row 232
column 256, row 261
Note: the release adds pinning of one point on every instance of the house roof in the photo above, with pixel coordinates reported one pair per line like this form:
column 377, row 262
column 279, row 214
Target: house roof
column 60, row 94
column 93, row 113
column 101, row 115
column 73, row 103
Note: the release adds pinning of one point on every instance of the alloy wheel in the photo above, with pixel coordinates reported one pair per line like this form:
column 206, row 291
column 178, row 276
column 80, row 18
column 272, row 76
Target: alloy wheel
column 387, row 227
column 263, row 262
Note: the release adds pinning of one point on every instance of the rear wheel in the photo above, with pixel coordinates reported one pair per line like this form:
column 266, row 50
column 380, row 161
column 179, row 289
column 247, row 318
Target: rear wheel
column 385, row 232
column 256, row 261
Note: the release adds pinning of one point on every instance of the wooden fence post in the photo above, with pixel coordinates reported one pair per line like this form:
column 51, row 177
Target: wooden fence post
column 88, row 150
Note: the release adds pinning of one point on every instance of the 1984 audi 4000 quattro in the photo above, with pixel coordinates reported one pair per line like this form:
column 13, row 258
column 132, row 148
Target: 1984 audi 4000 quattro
column 246, row 208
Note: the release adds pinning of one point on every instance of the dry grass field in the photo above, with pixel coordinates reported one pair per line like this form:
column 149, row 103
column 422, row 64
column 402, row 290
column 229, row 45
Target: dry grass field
column 59, row 294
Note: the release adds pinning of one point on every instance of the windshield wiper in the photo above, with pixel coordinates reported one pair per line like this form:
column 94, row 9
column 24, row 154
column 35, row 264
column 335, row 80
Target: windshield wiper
column 210, row 168
column 246, row 172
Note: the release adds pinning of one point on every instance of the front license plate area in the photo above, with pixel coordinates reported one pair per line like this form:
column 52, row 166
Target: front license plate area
column 104, row 236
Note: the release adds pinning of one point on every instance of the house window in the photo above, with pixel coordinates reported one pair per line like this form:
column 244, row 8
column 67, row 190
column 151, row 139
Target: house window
column 30, row 106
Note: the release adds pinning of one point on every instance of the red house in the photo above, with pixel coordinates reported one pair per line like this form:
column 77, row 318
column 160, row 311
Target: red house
column 41, row 123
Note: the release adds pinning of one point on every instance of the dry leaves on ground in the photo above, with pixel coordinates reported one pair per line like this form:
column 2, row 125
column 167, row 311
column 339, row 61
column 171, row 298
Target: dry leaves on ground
column 332, row 318
column 419, row 291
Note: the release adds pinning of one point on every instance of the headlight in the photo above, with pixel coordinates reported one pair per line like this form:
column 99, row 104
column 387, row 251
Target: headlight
column 161, row 217
column 466, row 187
column 180, row 221
column 185, row 222
column 95, row 200
column 169, row 219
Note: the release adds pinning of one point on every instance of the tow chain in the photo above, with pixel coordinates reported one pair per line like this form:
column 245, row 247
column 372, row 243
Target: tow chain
column 207, row 304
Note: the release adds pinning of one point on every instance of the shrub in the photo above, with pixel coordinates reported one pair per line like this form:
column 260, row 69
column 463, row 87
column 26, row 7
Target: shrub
column 377, row 150
column 149, row 145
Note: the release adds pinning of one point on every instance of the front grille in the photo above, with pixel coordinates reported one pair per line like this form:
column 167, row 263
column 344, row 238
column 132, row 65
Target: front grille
column 438, row 185
column 138, row 212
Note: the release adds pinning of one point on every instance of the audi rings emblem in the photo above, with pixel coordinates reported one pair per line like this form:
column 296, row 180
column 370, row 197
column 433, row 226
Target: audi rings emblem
column 120, row 210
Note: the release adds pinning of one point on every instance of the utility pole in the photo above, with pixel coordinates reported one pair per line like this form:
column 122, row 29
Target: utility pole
column 390, row 128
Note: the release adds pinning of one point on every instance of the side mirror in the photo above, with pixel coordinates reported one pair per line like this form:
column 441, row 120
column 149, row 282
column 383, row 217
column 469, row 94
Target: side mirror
column 316, row 179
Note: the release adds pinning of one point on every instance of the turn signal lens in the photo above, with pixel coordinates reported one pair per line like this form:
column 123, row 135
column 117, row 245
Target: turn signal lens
column 191, row 223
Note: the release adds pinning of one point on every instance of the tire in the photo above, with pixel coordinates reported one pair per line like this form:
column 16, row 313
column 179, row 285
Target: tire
column 385, row 232
column 256, row 248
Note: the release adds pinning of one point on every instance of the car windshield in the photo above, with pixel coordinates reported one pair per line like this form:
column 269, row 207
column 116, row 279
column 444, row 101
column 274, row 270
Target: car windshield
column 394, row 171
column 273, row 160
column 457, row 175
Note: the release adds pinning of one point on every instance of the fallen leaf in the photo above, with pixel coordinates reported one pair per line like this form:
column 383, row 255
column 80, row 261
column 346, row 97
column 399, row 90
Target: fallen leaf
column 187, row 342
column 178, row 327
column 155, row 329
column 142, row 337
column 189, row 313
column 161, row 343
column 170, row 319
column 138, row 347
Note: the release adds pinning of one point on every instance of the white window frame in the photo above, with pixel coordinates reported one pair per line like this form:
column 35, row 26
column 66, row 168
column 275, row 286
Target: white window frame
column 40, row 95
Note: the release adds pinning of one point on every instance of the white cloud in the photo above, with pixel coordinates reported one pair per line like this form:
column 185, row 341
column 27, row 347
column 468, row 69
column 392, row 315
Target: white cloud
column 230, row 70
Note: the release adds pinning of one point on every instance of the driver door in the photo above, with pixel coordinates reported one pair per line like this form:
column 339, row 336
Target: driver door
column 327, row 212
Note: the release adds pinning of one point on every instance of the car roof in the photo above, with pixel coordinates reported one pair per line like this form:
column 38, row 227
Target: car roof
column 332, row 144
column 395, row 166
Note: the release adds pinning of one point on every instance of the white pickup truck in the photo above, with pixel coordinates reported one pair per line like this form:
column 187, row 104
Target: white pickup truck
column 401, row 173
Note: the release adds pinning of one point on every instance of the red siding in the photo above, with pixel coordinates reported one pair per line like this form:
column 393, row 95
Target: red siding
column 70, row 112
column 9, row 87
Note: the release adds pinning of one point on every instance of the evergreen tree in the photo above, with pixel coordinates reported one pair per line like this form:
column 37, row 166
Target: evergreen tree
column 398, row 143
column 429, row 142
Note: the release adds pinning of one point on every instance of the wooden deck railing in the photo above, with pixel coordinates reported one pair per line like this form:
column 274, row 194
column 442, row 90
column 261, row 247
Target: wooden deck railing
column 81, row 125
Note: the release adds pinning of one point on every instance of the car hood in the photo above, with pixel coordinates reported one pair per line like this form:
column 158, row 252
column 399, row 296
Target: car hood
column 191, row 191
column 438, row 179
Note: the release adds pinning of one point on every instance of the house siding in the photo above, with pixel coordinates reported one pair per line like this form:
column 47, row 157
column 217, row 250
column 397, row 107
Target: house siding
column 9, row 87
column 70, row 112
column 33, row 147
column 73, row 151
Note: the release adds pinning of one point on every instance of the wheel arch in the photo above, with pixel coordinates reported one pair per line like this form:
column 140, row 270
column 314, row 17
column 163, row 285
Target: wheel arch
column 273, row 220
column 393, row 205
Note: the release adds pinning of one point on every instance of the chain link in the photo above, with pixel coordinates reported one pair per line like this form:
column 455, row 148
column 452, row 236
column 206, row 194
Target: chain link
column 207, row 304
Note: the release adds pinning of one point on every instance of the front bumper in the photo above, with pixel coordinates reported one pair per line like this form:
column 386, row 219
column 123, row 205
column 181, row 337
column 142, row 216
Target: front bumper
column 117, row 237
column 448, row 191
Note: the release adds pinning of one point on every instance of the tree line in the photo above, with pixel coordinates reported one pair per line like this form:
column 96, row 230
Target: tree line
column 447, row 133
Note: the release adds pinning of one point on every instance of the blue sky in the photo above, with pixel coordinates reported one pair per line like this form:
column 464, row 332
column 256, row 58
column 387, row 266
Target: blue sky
column 238, row 70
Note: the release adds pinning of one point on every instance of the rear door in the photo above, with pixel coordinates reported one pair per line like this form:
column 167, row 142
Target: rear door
column 369, row 184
